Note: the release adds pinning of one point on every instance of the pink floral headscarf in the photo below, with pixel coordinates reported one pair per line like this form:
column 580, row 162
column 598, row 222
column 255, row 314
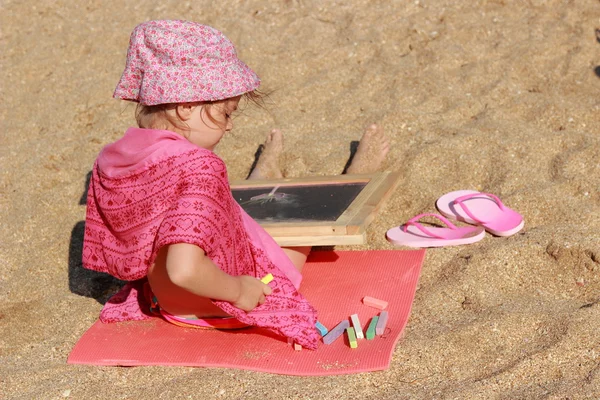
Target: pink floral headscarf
column 182, row 61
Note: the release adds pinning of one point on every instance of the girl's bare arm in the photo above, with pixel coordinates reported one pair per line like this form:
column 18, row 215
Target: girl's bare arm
column 188, row 267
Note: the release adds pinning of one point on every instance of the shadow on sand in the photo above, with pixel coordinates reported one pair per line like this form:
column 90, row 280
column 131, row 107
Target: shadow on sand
column 84, row 282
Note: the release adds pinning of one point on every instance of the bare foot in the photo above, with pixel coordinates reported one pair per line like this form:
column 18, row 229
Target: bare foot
column 267, row 166
column 371, row 152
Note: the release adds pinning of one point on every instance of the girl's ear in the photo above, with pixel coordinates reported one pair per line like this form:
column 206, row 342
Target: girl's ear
column 184, row 110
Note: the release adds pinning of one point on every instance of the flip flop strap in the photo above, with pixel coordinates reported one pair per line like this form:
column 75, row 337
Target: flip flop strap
column 413, row 221
column 459, row 201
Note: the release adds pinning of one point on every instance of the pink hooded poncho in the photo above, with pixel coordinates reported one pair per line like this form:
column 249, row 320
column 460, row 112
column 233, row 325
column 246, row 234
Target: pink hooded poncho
column 153, row 188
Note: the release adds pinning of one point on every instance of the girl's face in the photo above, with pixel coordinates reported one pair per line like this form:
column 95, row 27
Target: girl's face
column 203, row 131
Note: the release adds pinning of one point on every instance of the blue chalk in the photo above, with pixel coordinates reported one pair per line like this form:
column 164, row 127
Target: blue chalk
column 321, row 328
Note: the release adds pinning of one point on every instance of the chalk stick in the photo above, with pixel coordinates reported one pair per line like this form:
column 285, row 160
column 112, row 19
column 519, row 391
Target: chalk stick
column 351, row 337
column 297, row 347
column 266, row 279
column 321, row 328
column 357, row 327
column 381, row 323
column 376, row 303
column 371, row 328
column 336, row 332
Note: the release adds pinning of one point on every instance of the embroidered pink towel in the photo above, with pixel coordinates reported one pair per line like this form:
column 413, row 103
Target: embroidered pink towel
column 153, row 188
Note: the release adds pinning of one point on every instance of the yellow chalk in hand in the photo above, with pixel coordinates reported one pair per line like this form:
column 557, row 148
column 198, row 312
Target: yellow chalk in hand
column 266, row 279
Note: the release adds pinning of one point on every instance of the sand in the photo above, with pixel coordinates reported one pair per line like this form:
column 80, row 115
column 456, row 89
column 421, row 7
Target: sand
column 498, row 96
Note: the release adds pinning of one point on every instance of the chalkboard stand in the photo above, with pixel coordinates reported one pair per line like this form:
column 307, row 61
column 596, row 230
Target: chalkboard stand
column 348, row 229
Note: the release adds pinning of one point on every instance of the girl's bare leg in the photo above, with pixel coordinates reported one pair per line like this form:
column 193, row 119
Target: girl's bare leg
column 370, row 155
column 268, row 167
column 372, row 150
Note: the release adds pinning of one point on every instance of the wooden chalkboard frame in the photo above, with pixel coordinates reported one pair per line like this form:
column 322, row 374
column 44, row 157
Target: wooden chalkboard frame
column 349, row 228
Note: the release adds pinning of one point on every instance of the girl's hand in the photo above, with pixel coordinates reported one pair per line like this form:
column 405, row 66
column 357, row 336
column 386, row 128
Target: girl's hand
column 252, row 293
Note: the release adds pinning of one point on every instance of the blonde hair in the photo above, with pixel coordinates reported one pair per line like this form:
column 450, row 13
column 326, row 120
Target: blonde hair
column 157, row 117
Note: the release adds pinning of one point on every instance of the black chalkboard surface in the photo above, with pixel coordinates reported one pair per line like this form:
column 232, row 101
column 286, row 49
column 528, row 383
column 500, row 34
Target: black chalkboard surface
column 323, row 202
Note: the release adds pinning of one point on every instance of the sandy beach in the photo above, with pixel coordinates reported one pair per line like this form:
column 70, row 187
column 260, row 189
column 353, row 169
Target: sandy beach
column 498, row 96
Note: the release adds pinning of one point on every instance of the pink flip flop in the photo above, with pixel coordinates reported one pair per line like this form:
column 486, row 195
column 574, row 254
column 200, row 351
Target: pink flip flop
column 483, row 209
column 413, row 234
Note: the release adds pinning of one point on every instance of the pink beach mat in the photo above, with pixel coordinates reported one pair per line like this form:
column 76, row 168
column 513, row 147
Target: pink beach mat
column 335, row 282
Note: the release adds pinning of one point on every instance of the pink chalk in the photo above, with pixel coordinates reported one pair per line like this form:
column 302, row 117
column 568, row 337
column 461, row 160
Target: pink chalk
column 376, row 303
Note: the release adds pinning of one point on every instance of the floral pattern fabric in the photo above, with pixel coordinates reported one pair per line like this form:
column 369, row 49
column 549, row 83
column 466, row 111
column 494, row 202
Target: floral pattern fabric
column 182, row 61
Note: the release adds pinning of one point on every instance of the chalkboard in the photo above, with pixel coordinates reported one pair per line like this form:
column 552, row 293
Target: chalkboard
column 327, row 210
column 318, row 202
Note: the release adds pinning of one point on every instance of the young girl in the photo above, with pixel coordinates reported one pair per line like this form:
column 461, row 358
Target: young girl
column 160, row 213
